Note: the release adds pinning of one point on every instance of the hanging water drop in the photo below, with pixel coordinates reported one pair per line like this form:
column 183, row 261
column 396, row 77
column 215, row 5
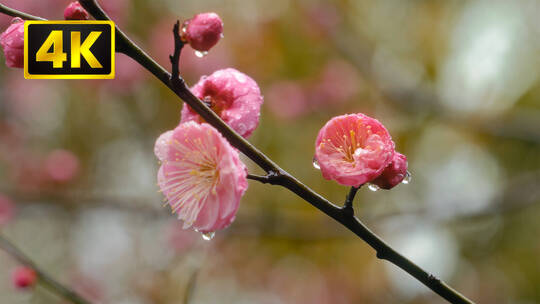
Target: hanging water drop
column 373, row 187
column 208, row 236
column 316, row 164
column 201, row 54
column 407, row 179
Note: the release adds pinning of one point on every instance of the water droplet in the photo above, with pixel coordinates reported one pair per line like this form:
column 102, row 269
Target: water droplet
column 373, row 187
column 201, row 54
column 407, row 179
column 316, row 164
column 208, row 236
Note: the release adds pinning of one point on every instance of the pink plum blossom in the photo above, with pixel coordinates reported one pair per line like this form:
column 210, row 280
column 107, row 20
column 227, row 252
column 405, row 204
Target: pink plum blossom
column 337, row 83
column 128, row 75
column 74, row 11
column 394, row 173
column 161, row 146
column 353, row 149
column 61, row 166
column 118, row 10
column 6, row 209
column 323, row 19
column 201, row 177
column 27, row 170
column 23, row 277
column 12, row 41
column 203, row 31
column 88, row 287
column 287, row 100
column 233, row 95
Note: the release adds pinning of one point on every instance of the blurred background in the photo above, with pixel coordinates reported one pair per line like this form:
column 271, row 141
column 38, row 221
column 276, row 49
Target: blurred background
column 455, row 82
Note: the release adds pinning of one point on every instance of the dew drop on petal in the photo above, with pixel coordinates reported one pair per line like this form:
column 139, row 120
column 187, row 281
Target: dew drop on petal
column 208, row 236
column 201, row 54
column 373, row 187
column 407, row 179
column 316, row 164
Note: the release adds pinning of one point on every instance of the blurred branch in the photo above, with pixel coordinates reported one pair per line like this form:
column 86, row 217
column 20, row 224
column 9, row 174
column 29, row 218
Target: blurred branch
column 278, row 175
column 190, row 288
column 520, row 193
column 521, row 125
column 15, row 13
column 45, row 279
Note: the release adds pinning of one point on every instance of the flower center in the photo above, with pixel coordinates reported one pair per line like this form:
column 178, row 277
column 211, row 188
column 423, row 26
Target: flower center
column 206, row 174
column 196, row 172
column 347, row 145
column 216, row 106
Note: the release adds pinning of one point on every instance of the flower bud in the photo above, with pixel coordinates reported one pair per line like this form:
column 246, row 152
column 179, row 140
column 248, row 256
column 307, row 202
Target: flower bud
column 12, row 41
column 233, row 95
column 74, row 11
column 394, row 173
column 23, row 277
column 203, row 31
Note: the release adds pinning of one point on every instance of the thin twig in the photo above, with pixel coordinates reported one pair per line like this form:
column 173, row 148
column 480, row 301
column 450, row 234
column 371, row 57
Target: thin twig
column 175, row 58
column 271, row 178
column 15, row 13
column 260, row 178
column 348, row 206
column 45, row 279
column 280, row 177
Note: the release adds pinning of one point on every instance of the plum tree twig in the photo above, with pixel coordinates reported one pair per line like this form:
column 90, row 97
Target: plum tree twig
column 275, row 174
column 45, row 279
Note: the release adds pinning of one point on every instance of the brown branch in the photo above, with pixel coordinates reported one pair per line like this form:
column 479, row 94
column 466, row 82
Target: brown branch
column 45, row 279
column 279, row 176
column 348, row 206
column 15, row 13
column 175, row 58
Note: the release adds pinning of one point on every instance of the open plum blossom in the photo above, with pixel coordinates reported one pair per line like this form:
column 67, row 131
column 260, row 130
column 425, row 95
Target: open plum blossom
column 203, row 31
column 201, row 176
column 353, row 149
column 23, row 277
column 62, row 166
column 393, row 174
column 233, row 95
column 74, row 11
column 12, row 41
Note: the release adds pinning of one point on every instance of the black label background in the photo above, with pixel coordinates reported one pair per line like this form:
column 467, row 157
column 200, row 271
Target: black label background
column 38, row 33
